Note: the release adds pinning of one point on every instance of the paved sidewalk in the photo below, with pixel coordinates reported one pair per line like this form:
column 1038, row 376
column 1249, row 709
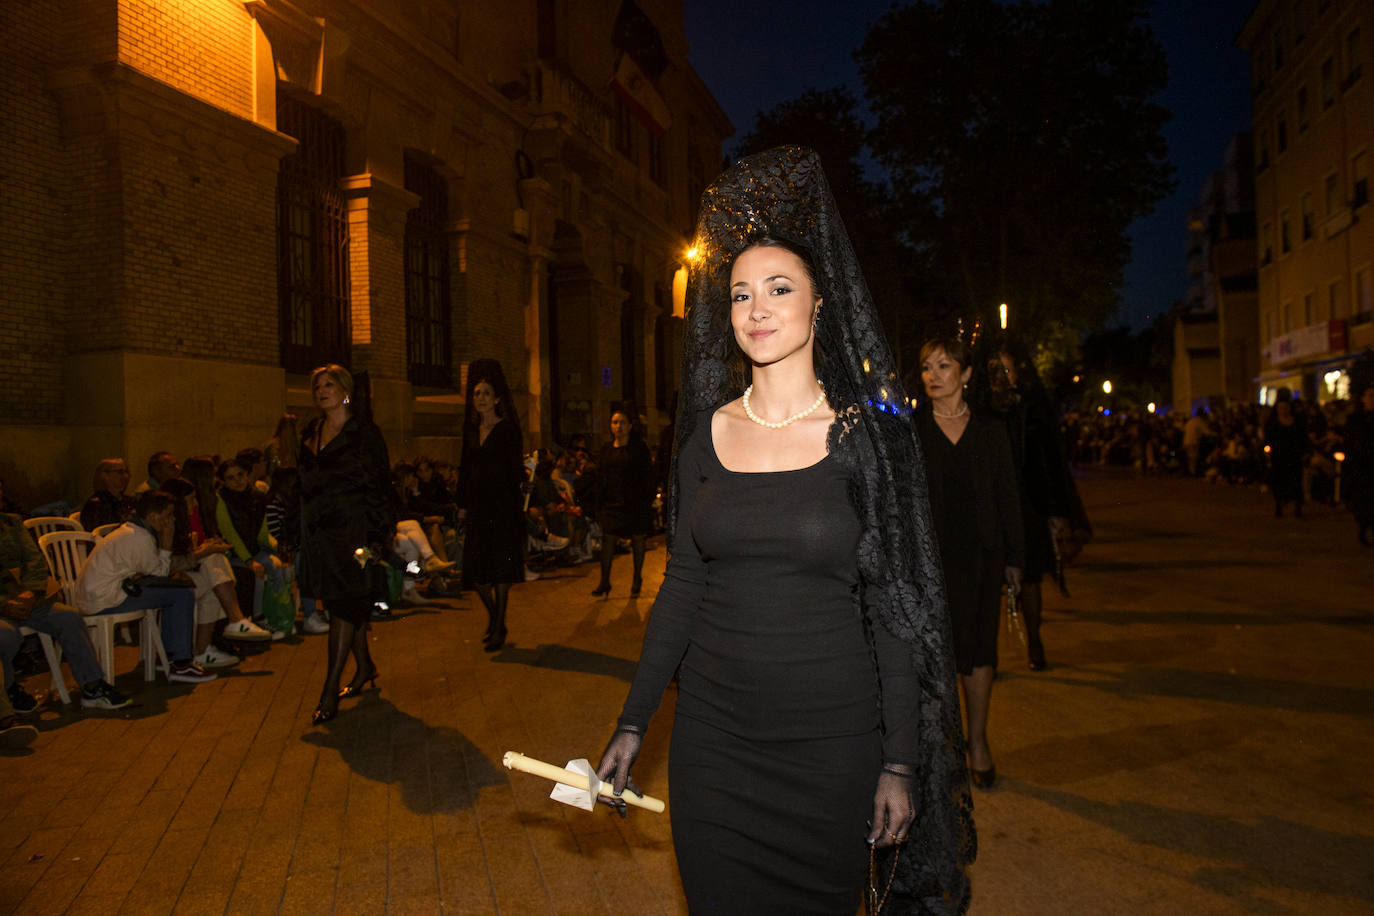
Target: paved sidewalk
column 1198, row 746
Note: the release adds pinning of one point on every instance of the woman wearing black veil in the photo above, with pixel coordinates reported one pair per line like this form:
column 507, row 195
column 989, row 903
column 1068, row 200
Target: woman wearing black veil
column 802, row 606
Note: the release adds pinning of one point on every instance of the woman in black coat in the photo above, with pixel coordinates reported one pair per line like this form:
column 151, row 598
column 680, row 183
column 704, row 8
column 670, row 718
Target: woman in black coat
column 624, row 499
column 976, row 504
column 490, row 497
column 346, row 505
column 1285, row 439
column 1357, row 487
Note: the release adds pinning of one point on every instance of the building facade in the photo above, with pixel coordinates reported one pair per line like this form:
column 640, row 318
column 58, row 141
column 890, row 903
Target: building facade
column 1313, row 112
column 207, row 198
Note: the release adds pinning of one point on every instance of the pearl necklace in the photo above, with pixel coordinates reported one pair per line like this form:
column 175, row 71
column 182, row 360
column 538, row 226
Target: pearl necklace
column 963, row 409
column 749, row 411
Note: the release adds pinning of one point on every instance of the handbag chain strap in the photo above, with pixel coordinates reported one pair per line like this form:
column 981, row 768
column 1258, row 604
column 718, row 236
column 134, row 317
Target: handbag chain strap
column 872, row 902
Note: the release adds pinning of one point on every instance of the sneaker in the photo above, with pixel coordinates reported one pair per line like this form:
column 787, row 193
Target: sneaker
column 101, row 695
column 214, row 657
column 530, row 575
column 16, row 734
column 315, row 624
column 22, row 701
column 278, row 635
column 246, row 631
column 412, row 597
column 189, row 673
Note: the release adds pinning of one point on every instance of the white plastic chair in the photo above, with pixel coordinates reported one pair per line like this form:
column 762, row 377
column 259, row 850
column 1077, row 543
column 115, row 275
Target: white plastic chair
column 66, row 553
column 46, row 524
column 53, row 653
column 104, row 530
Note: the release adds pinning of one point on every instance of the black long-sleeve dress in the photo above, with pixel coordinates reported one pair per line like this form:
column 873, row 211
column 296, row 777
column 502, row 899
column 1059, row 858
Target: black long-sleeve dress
column 778, row 740
column 625, row 489
column 489, row 482
column 976, row 504
column 346, row 502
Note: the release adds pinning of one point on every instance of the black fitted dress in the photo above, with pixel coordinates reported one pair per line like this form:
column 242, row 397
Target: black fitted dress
column 776, row 746
column 489, row 480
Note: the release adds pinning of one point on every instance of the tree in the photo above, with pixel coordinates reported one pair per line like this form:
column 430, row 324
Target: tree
column 1021, row 142
column 825, row 121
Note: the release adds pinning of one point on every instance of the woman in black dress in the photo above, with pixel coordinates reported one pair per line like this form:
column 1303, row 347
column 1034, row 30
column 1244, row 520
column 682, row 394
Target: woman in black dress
column 1357, row 487
column 817, row 713
column 489, row 496
column 346, row 505
column 976, row 503
column 624, row 499
column 1285, row 439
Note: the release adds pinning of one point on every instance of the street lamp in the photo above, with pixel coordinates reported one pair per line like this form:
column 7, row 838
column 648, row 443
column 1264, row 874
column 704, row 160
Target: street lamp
column 1002, row 313
column 1107, row 386
column 1150, row 407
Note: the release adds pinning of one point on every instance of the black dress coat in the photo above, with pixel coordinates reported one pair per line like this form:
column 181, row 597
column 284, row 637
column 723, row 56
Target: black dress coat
column 346, row 502
column 489, row 489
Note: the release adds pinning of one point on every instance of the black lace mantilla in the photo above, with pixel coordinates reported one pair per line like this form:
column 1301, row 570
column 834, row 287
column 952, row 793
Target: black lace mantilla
column 783, row 193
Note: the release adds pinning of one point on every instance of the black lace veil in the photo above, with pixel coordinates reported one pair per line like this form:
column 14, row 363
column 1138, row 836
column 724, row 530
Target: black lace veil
column 783, row 193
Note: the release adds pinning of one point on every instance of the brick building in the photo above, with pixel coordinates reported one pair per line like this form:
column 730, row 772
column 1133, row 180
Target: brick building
column 1313, row 113
column 206, row 198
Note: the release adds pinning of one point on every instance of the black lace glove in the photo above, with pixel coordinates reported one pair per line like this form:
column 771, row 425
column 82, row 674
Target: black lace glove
column 893, row 810
column 616, row 761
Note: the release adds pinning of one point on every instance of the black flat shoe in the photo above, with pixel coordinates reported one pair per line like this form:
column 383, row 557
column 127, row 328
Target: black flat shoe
column 601, row 590
column 984, row 779
column 495, row 641
column 353, row 690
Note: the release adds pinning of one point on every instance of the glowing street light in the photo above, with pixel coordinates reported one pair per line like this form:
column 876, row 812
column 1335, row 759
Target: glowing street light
column 1150, row 407
column 1107, row 386
column 1002, row 313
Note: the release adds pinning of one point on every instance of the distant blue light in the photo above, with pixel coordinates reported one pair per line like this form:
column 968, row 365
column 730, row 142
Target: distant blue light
column 1107, row 412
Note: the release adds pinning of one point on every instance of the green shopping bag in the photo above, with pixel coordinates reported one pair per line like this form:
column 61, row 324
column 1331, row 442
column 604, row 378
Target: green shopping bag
column 279, row 607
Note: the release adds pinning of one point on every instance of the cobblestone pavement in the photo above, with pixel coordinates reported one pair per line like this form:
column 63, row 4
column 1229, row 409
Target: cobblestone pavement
column 1199, row 745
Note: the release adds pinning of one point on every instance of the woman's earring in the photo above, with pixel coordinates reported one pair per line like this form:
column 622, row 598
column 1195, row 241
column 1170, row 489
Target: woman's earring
column 347, row 400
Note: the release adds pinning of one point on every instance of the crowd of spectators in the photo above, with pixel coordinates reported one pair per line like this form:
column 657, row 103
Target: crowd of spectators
column 1232, row 444
column 205, row 538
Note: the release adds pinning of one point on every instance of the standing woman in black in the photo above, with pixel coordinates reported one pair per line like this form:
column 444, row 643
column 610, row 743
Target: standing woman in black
column 1285, row 439
column 346, row 504
column 975, row 500
column 817, row 717
column 490, row 481
column 624, row 498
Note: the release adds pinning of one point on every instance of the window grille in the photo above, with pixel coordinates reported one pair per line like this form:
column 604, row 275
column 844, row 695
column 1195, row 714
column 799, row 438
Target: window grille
column 429, row 351
column 312, row 240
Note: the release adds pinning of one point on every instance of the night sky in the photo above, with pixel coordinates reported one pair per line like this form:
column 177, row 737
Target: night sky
column 755, row 54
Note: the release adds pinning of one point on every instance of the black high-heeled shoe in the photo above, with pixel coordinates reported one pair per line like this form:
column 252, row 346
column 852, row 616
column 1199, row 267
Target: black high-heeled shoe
column 495, row 641
column 635, row 588
column 984, row 779
column 323, row 715
column 603, row 589
column 356, row 689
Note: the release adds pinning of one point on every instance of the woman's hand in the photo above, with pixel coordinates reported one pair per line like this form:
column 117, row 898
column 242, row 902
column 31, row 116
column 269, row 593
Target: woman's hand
column 615, row 765
column 258, row 569
column 1014, row 579
column 893, row 811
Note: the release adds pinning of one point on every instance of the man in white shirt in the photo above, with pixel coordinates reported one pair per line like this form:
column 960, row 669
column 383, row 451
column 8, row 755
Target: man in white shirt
column 142, row 547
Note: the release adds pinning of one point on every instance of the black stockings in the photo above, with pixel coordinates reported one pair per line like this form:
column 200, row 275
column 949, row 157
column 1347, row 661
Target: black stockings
column 494, row 600
column 346, row 637
column 1031, row 607
column 608, row 554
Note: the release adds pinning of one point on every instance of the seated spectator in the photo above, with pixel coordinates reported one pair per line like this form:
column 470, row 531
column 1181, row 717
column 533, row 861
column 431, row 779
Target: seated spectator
column 425, row 500
column 281, row 450
column 253, row 459
column 26, row 603
column 282, row 518
column 203, row 560
column 242, row 521
column 562, row 515
column 161, row 466
column 129, row 570
column 109, row 504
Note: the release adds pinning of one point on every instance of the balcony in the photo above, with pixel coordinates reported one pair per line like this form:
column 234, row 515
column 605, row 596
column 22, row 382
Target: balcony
column 558, row 93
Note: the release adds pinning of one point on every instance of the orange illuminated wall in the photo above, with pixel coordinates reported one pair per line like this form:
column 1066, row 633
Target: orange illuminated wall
column 202, row 47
